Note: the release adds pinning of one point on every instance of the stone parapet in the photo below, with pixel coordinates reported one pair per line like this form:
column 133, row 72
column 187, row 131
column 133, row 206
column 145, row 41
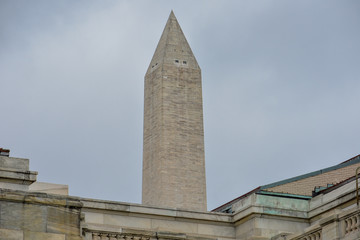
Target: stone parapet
column 107, row 217
column 15, row 174
column 60, row 189
column 30, row 215
column 326, row 202
column 15, row 164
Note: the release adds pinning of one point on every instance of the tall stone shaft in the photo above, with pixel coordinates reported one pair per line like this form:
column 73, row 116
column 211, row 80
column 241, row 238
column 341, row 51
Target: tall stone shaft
column 173, row 148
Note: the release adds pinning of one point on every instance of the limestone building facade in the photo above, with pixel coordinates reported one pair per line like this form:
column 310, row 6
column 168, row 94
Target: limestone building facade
column 318, row 205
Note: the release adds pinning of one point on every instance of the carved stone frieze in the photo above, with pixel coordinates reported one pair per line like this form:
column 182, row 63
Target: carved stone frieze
column 117, row 236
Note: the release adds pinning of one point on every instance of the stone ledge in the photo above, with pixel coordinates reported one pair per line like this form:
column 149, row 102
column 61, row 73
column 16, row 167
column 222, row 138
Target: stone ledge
column 16, row 164
column 271, row 211
column 324, row 202
column 51, row 188
column 156, row 211
column 39, row 198
column 14, row 176
column 10, row 234
column 89, row 229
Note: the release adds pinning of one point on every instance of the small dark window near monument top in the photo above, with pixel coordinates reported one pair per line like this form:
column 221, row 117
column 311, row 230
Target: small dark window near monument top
column 176, row 61
column 184, row 62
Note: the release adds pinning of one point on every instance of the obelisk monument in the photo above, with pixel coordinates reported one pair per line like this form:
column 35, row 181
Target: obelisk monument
column 173, row 148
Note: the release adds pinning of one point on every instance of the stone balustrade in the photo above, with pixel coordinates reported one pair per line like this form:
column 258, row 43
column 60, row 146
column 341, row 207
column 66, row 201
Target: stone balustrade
column 342, row 224
column 351, row 224
column 313, row 236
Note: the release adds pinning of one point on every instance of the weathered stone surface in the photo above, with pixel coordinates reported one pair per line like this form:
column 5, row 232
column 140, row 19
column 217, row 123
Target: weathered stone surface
column 13, row 186
column 51, row 188
column 174, row 226
column 11, row 163
column 264, row 204
column 15, row 174
column 73, row 237
column 127, row 221
column 34, row 218
column 36, row 214
column 63, row 220
column 173, row 151
column 30, row 235
column 43, row 199
column 11, row 215
column 217, row 231
column 7, row 234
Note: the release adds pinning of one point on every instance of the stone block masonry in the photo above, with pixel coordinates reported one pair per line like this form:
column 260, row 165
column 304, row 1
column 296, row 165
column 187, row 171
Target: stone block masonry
column 173, row 151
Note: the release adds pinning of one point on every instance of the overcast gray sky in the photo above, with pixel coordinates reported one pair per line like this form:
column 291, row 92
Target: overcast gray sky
column 280, row 89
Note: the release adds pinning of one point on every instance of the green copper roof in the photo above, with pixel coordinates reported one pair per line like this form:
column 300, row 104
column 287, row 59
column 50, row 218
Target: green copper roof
column 289, row 195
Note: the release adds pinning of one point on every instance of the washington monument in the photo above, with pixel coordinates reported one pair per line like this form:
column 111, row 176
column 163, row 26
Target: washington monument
column 173, row 151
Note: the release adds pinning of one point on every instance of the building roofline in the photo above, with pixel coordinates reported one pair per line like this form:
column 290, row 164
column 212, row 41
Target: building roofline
column 287, row 195
column 346, row 163
column 236, row 199
column 260, row 189
column 342, row 183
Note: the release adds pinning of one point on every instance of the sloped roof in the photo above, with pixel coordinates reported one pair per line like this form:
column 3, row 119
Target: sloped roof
column 262, row 189
column 346, row 163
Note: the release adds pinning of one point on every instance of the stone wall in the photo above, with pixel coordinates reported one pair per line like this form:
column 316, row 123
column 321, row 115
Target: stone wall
column 108, row 219
column 38, row 216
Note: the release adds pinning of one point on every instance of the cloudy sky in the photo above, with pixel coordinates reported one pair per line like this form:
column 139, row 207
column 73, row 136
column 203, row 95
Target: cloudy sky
column 280, row 89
